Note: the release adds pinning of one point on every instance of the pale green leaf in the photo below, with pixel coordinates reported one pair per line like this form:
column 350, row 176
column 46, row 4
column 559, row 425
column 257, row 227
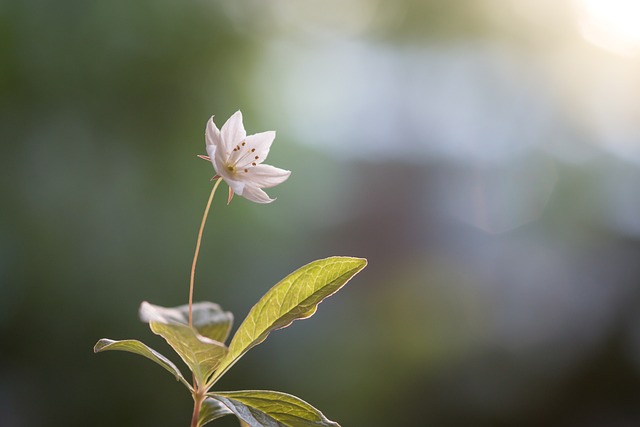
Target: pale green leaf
column 208, row 318
column 201, row 354
column 211, row 410
column 295, row 297
column 259, row 408
column 137, row 347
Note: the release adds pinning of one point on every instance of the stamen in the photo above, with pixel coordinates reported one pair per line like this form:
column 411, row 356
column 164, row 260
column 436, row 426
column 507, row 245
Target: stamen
column 242, row 160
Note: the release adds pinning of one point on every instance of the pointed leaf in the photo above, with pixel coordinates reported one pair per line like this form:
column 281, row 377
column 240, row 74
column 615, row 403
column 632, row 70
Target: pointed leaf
column 211, row 410
column 137, row 347
column 260, row 408
column 208, row 318
column 201, row 354
column 295, row 297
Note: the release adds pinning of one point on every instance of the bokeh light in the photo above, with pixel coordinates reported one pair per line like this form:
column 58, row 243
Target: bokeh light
column 612, row 24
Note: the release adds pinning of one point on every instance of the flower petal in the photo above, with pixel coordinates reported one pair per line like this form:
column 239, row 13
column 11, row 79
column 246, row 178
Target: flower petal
column 266, row 176
column 215, row 156
column 258, row 145
column 212, row 134
column 255, row 194
column 211, row 151
column 233, row 132
column 220, row 161
column 238, row 187
column 254, row 149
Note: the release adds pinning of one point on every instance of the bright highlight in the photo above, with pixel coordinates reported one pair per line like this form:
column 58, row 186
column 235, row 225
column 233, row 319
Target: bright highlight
column 612, row 24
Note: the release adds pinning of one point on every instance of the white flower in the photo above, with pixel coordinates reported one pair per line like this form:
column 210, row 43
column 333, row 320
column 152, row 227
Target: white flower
column 237, row 158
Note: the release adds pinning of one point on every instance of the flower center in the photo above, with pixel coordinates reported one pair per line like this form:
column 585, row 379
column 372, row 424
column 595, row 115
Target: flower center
column 242, row 158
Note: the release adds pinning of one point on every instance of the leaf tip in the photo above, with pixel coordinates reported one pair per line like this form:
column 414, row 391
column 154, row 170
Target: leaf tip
column 145, row 312
column 361, row 262
column 101, row 344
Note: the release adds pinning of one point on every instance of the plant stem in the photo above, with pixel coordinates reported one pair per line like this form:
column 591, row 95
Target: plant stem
column 195, row 256
column 197, row 404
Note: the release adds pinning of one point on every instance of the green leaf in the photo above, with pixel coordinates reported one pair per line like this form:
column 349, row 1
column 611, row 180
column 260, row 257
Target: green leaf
column 201, row 354
column 295, row 297
column 260, row 408
column 208, row 318
column 211, row 410
column 136, row 347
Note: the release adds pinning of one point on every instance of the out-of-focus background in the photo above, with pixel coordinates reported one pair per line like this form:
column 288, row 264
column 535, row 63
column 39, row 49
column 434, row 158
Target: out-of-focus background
column 483, row 155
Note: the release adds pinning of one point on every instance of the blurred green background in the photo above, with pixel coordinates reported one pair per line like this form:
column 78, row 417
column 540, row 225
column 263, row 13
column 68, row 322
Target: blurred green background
column 483, row 155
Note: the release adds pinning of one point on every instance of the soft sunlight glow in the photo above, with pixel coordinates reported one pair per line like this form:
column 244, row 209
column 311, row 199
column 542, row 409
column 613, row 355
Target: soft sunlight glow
column 612, row 24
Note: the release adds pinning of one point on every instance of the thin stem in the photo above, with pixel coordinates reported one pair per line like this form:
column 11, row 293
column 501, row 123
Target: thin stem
column 197, row 404
column 195, row 256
